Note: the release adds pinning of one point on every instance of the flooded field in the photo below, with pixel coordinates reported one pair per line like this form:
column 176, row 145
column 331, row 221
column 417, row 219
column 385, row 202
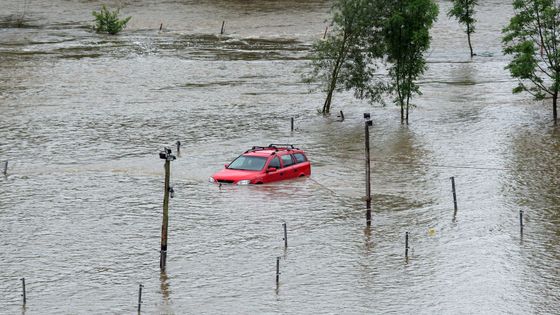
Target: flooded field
column 83, row 117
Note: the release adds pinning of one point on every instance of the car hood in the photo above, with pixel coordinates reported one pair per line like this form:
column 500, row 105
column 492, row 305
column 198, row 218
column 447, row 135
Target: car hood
column 235, row 175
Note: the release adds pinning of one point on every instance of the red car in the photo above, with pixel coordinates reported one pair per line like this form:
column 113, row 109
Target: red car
column 261, row 165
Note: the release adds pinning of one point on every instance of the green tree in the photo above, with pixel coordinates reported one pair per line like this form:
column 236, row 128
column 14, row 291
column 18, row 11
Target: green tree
column 344, row 60
column 109, row 22
column 407, row 36
column 532, row 37
column 463, row 11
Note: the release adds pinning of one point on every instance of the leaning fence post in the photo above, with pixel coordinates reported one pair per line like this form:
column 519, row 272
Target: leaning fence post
column 454, row 195
column 222, row 30
column 140, row 297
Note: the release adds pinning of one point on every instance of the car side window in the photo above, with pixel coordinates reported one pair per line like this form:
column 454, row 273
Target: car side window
column 275, row 162
column 300, row 158
column 287, row 160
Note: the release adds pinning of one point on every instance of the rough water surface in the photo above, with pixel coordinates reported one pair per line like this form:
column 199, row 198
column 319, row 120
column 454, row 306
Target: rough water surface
column 83, row 116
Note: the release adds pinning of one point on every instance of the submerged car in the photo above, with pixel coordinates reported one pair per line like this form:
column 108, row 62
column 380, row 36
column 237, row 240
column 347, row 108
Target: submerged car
column 260, row 165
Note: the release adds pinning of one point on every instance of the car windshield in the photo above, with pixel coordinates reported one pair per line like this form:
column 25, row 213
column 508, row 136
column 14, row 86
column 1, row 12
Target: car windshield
column 248, row 163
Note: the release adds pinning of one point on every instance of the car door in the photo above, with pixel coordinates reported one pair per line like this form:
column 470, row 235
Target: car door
column 276, row 175
column 303, row 167
column 288, row 165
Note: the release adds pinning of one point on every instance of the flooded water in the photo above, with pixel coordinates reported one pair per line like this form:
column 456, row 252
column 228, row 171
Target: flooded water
column 83, row 117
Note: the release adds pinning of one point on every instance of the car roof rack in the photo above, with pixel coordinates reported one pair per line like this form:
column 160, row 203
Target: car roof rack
column 281, row 145
column 273, row 146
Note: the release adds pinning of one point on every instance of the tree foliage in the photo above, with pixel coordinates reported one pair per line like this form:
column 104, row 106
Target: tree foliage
column 532, row 37
column 407, row 37
column 367, row 34
column 464, row 11
column 109, row 22
column 345, row 59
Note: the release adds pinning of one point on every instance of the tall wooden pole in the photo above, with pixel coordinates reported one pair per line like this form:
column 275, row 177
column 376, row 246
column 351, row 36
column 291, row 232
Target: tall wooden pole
column 368, row 175
column 164, row 224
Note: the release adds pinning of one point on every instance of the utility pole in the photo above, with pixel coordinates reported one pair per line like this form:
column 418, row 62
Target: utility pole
column 168, row 157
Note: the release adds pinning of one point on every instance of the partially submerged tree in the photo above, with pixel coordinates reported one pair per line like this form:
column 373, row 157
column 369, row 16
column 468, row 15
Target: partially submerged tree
column 407, row 37
column 109, row 22
column 344, row 60
column 463, row 11
column 533, row 39
column 20, row 20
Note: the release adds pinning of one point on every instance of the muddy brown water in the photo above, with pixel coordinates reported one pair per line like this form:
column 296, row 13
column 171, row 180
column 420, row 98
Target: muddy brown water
column 83, row 116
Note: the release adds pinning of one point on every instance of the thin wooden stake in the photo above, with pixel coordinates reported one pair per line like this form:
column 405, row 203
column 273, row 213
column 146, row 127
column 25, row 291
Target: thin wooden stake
column 140, row 297
column 277, row 270
column 341, row 116
column 222, row 30
column 521, row 221
column 160, row 26
column 406, row 245
column 454, row 195
column 292, row 124
column 5, row 172
column 326, row 29
column 24, row 294
column 285, row 234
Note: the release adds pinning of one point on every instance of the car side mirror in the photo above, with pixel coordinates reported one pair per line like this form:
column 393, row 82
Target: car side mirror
column 226, row 165
column 271, row 169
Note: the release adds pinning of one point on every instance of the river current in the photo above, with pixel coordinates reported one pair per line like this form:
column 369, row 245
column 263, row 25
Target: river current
column 83, row 117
